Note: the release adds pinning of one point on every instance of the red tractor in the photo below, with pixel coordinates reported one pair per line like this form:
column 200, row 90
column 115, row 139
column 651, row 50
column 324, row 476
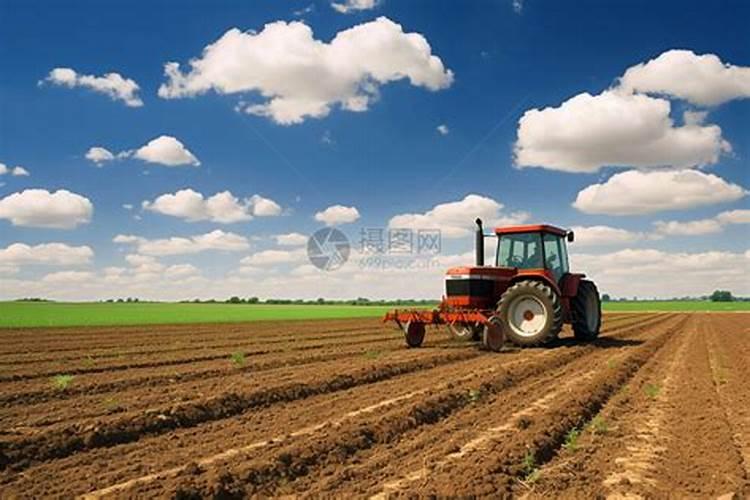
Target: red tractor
column 525, row 298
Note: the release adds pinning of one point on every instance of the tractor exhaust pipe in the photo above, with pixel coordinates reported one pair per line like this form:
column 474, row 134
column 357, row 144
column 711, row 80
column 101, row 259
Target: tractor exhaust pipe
column 479, row 246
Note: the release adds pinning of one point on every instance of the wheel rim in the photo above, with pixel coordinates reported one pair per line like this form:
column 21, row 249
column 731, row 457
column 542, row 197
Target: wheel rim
column 527, row 316
column 592, row 313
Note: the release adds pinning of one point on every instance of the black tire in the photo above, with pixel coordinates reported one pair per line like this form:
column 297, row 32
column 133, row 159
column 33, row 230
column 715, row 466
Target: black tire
column 414, row 334
column 586, row 307
column 540, row 294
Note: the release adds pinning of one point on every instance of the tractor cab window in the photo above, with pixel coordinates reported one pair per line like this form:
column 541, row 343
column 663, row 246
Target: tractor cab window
column 523, row 250
column 555, row 255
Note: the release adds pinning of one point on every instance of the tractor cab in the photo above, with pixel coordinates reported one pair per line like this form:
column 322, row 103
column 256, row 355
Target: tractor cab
column 538, row 247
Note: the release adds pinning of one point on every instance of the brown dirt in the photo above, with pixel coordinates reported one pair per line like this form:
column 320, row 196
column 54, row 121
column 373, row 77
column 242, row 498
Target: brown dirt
column 341, row 409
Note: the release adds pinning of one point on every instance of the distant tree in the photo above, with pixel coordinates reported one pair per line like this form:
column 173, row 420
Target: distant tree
column 721, row 296
column 234, row 300
column 606, row 297
column 253, row 300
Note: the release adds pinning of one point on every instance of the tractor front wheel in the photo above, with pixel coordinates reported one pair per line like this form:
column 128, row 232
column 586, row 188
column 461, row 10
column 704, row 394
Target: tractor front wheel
column 414, row 333
column 531, row 312
column 587, row 311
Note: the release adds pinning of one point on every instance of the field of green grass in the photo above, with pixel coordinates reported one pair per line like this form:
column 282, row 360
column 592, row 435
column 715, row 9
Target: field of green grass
column 28, row 314
column 675, row 305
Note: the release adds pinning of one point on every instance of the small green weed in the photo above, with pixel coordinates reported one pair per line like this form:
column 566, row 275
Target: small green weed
column 474, row 395
column 652, row 390
column 89, row 362
column 62, row 382
column 373, row 354
column 112, row 405
column 238, row 358
column 529, row 466
column 598, row 425
column 571, row 439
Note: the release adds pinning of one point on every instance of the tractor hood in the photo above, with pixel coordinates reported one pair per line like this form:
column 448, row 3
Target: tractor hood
column 473, row 286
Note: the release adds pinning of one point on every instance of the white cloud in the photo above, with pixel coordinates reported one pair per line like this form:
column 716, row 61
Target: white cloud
column 264, row 207
column 215, row 240
column 456, row 219
column 351, row 6
column 637, row 192
column 65, row 277
column 291, row 239
column 112, row 84
column 690, row 228
column 271, row 257
column 223, row 207
column 298, row 77
column 741, row 216
column 700, row 79
column 40, row 208
column 337, row 214
column 603, row 235
column 58, row 254
column 99, row 155
column 166, row 150
column 443, row 129
column 631, row 272
column 614, row 128
column 17, row 171
column 181, row 271
column 703, row 226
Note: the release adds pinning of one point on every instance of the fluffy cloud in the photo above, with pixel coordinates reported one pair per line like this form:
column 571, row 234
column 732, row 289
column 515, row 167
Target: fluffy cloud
column 15, row 171
column 99, row 155
column 603, row 235
column 299, row 77
column 622, row 273
column 291, row 239
column 337, row 214
column 215, row 240
column 701, row 79
column 637, row 192
column 703, row 226
column 443, row 129
column 58, row 254
column 166, row 150
column 350, row 6
column 65, row 277
column 271, row 257
column 40, row 208
column 223, row 207
column 614, row 128
column 112, row 84
column 456, row 219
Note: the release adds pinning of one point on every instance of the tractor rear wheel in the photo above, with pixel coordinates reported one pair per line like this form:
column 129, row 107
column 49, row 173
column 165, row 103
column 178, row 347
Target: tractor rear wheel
column 414, row 333
column 531, row 313
column 466, row 331
column 587, row 311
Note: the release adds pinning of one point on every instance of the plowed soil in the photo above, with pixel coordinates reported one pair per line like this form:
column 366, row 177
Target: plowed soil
column 658, row 406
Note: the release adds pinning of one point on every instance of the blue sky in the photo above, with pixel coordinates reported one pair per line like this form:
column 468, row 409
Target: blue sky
column 499, row 60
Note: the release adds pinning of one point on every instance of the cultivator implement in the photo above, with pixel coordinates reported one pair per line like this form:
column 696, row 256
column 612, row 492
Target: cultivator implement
column 477, row 323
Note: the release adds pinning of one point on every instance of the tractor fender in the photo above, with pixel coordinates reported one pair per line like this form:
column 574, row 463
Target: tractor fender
column 569, row 284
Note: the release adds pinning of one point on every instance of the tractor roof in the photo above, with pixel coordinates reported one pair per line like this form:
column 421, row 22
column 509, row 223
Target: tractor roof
column 530, row 228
